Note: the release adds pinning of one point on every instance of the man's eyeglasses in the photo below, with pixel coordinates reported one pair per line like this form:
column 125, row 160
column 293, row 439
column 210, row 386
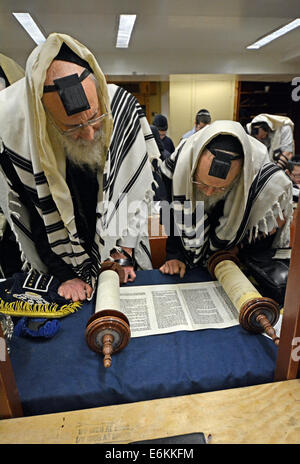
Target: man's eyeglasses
column 79, row 127
column 205, row 186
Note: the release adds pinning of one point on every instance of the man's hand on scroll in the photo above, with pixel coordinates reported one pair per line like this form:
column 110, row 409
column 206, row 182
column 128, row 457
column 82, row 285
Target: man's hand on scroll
column 173, row 266
column 75, row 289
column 130, row 275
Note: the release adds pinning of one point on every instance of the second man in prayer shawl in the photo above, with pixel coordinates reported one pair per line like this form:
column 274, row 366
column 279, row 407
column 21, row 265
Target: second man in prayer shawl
column 76, row 154
column 276, row 133
column 223, row 190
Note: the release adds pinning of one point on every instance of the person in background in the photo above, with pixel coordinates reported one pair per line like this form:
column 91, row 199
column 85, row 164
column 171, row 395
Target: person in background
column 202, row 119
column 293, row 171
column 276, row 133
column 160, row 121
column 160, row 192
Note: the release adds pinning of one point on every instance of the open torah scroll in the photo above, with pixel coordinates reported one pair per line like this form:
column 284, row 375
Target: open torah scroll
column 159, row 309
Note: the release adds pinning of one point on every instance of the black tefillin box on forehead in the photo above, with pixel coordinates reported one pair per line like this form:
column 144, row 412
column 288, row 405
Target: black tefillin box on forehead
column 69, row 88
column 71, row 92
column 219, row 147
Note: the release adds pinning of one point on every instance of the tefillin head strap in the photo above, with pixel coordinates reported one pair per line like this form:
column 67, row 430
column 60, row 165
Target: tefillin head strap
column 71, row 92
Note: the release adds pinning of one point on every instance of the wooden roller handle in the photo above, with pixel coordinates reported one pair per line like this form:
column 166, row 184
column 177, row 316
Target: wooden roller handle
column 268, row 328
column 107, row 349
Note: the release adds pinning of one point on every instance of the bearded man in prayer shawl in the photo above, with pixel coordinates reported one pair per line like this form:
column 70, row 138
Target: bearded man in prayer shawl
column 224, row 192
column 276, row 133
column 76, row 154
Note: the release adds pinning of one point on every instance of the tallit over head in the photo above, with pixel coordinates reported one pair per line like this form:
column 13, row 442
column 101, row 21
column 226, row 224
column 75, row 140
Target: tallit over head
column 274, row 121
column 40, row 160
column 261, row 193
column 281, row 132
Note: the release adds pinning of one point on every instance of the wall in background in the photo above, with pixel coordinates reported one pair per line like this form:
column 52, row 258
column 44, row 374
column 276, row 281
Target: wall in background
column 226, row 96
column 191, row 92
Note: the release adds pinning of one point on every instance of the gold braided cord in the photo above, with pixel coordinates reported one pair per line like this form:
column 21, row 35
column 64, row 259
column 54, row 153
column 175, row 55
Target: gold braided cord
column 23, row 308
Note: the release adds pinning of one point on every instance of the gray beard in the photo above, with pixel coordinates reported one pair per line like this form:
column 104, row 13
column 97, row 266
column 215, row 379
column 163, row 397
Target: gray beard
column 83, row 152
column 210, row 201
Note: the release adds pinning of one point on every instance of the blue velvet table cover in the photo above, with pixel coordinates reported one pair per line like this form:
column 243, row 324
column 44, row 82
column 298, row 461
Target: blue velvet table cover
column 63, row 374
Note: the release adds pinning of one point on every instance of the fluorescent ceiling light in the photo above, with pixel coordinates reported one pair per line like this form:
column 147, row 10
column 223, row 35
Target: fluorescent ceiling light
column 274, row 35
column 30, row 27
column 126, row 24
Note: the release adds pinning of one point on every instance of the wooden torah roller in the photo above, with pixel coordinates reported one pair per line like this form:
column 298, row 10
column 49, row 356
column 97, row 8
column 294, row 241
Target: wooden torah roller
column 256, row 313
column 108, row 330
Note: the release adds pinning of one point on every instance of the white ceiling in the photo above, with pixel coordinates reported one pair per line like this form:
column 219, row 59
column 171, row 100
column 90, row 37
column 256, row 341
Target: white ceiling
column 170, row 36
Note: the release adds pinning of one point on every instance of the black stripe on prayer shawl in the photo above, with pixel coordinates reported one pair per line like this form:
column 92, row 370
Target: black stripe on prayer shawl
column 128, row 187
column 104, row 183
column 19, row 161
column 137, row 173
column 194, row 232
column 127, row 146
column 46, row 204
column 61, row 241
column 71, row 255
column 40, row 178
column 170, row 162
column 95, row 252
column 146, row 251
column 21, row 226
column 262, row 177
column 122, row 111
column 54, row 227
column 140, row 111
column 195, row 255
column 124, row 107
column 266, row 172
column 179, row 198
column 149, row 137
column 180, row 218
column 126, row 128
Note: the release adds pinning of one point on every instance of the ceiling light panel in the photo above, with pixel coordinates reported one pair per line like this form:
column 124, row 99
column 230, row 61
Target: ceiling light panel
column 30, row 27
column 126, row 24
column 274, row 35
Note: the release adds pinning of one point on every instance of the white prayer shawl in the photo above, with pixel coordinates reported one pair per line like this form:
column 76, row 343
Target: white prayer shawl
column 262, row 193
column 12, row 70
column 41, row 166
column 277, row 124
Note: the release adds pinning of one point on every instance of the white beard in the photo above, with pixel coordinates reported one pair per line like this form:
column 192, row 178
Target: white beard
column 84, row 152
